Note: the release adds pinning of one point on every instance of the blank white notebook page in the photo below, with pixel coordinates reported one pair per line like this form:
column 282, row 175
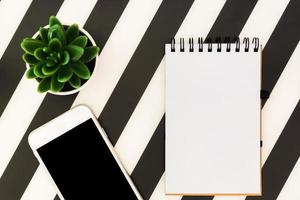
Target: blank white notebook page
column 213, row 121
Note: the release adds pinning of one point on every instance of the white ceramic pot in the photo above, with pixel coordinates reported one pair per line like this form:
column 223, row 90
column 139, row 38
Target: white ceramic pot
column 90, row 38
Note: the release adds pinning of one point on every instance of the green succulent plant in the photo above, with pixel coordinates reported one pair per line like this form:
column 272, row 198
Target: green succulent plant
column 58, row 56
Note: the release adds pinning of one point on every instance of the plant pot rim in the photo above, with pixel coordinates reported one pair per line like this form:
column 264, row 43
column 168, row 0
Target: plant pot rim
column 91, row 39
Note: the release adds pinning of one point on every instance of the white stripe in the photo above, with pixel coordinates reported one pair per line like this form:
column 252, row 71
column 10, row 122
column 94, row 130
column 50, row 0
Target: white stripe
column 75, row 11
column 291, row 187
column 117, row 53
column 263, row 19
column 40, row 187
column 26, row 100
column 11, row 15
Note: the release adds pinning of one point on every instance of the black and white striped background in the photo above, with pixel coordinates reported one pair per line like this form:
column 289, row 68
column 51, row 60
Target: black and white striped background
column 127, row 92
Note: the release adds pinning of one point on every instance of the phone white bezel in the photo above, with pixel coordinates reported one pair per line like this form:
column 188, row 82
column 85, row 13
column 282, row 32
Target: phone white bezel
column 63, row 124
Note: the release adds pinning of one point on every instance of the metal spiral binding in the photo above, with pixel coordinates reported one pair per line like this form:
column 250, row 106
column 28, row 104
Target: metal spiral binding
column 246, row 42
column 181, row 44
column 219, row 44
column 228, row 44
column 200, row 42
column 255, row 40
column 209, row 44
column 173, row 45
column 237, row 44
column 191, row 43
column 218, row 40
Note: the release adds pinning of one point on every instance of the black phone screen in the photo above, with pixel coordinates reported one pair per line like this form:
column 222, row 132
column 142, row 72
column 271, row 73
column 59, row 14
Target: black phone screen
column 83, row 167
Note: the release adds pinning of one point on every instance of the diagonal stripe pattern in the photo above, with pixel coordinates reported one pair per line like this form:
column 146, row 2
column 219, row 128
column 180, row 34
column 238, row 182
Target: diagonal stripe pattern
column 281, row 45
column 135, row 79
column 142, row 66
column 11, row 64
column 23, row 160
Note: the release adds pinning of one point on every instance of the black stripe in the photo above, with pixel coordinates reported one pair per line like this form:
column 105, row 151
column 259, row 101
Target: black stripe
column 232, row 18
column 142, row 66
column 23, row 164
column 281, row 45
column 103, row 19
column 153, row 159
column 12, row 67
column 56, row 197
column 282, row 159
column 197, row 197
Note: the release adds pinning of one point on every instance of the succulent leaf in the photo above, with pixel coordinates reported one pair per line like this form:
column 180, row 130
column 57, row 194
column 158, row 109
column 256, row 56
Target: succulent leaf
column 75, row 52
column 75, row 81
column 55, row 44
column 44, row 85
column 89, row 53
column 58, row 32
column 56, row 86
column 30, row 74
column 44, row 35
column 50, row 70
column 54, row 58
column 50, row 62
column 59, row 55
column 40, row 54
column 80, row 41
column 81, row 70
column 37, row 70
column 65, row 58
column 30, row 59
column 46, row 50
column 29, row 45
column 72, row 32
column 64, row 74
column 54, row 21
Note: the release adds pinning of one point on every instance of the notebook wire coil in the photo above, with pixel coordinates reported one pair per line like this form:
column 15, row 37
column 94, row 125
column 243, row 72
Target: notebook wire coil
column 231, row 45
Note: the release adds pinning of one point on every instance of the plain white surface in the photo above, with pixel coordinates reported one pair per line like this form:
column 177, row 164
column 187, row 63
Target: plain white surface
column 213, row 122
column 63, row 124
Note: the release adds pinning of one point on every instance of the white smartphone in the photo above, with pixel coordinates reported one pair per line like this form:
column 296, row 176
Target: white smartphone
column 79, row 158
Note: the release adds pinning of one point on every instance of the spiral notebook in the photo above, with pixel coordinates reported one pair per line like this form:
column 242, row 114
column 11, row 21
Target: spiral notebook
column 213, row 118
